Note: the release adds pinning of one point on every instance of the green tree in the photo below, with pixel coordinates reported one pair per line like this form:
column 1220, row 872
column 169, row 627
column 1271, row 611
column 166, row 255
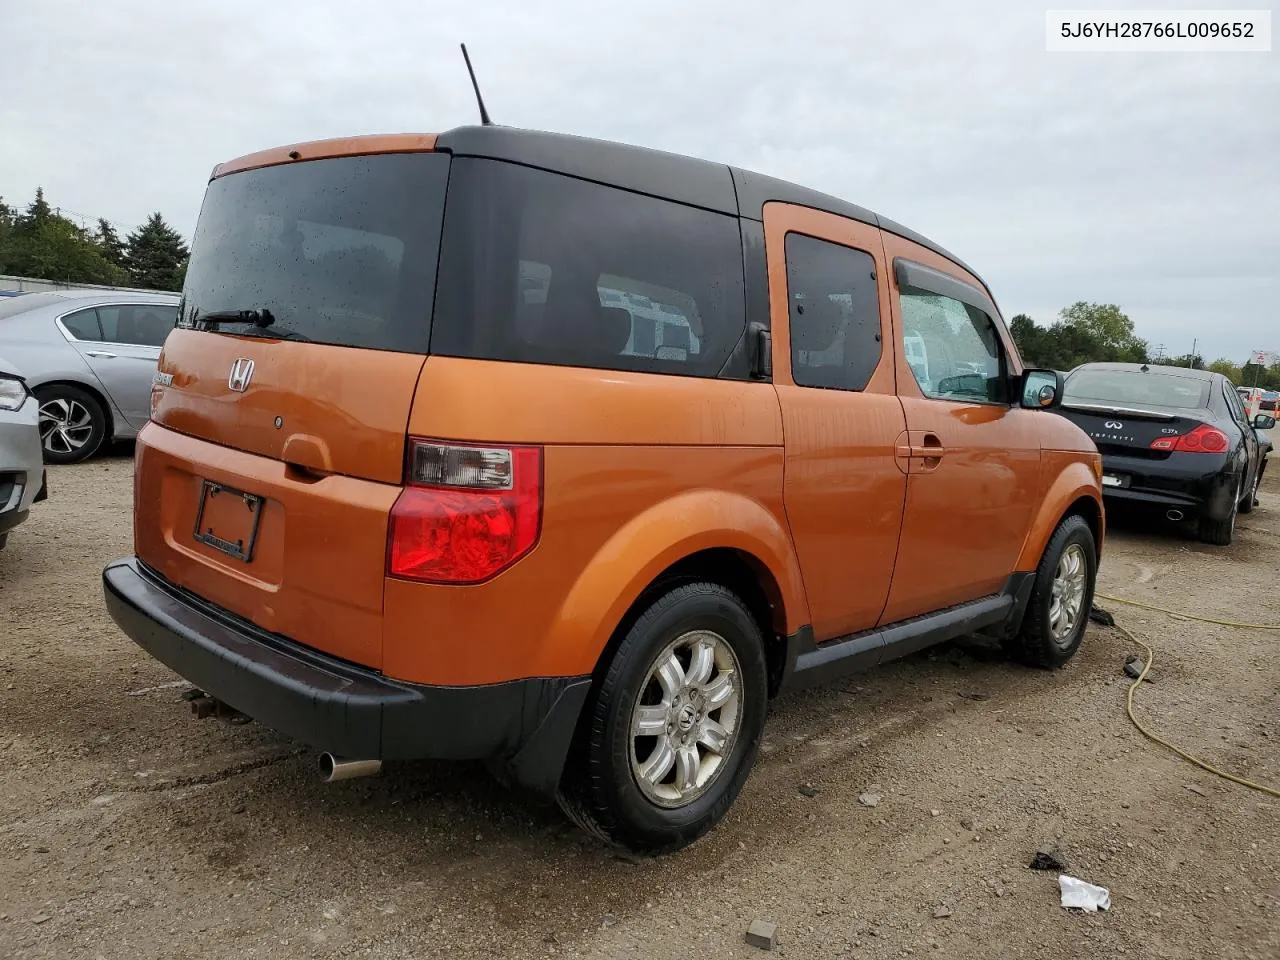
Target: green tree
column 1029, row 338
column 1268, row 378
column 156, row 255
column 1194, row 361
column 110, row 244
column 1110, row 327
column 1228, row 369
column 38, row 212
column 40, row 243
column 8, row 216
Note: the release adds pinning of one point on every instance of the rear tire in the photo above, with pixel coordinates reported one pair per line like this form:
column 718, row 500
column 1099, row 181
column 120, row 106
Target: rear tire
column 1251, row 499
column 622, row 785
column 73, row 423
column 1058, row 611
column 1220, row 532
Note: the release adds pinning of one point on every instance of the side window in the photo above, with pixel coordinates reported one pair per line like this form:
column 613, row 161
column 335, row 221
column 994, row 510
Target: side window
column 1235, row 406
column 83, row 324
column 144, row 325
column 834, row 314
column 952, row 348
column 543, row 268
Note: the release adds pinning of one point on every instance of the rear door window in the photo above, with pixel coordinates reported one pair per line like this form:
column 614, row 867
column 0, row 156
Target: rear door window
column 83, row 324
column 144, row 325
column 834, row 311
column 542, row 268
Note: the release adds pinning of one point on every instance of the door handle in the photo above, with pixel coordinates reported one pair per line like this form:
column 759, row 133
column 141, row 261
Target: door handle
column 100, row 354
column 920, row 456
column 930, row 448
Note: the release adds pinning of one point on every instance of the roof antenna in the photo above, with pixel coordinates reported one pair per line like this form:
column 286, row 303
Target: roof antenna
column 484, row 114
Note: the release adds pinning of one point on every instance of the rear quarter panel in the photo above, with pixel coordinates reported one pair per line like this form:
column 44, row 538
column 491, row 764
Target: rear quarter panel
column 640, row 471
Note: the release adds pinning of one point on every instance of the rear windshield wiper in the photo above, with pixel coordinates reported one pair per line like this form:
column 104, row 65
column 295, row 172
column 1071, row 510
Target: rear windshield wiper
column 260, row 319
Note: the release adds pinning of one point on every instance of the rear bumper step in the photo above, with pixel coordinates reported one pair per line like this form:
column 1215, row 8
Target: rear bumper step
column 526, row 725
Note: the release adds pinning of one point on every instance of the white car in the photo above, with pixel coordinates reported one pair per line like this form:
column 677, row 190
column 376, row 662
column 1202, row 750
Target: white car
column 21, row 464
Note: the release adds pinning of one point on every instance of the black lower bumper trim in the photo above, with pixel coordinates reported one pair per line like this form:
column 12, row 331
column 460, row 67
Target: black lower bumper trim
column 341, row 707
column 11, row 518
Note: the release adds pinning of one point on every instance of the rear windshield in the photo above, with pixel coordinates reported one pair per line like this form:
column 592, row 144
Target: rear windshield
column 543, row 268
column 339, row 251
column 1133, row 387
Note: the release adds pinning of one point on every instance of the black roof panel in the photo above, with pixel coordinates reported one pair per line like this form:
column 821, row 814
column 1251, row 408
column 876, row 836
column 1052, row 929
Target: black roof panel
column 699, row 183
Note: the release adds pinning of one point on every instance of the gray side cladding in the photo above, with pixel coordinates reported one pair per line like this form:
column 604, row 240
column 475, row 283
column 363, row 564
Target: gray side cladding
column 699, row 183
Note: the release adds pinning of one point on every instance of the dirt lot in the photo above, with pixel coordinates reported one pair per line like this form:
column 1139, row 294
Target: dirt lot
column 131, row 830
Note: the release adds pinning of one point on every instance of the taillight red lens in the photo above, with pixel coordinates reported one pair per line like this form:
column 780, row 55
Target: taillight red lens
column 468, row 513
column 1203, row 439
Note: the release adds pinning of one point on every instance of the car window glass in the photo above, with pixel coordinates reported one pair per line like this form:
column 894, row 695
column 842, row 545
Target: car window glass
column 834, row 312
column 340, row 251
column 952, row 348
column 542, row 268
column 144, row 325
column 83, row 324
column 1155, row 386
column 1235, row 406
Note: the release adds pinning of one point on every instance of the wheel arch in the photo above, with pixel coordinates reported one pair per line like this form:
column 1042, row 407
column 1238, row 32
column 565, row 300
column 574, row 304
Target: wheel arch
column 738, row 544
column 1074, row 490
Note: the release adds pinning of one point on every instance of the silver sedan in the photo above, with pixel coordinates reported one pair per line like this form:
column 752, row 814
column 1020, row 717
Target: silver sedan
column 89, row 357
column 21, row 469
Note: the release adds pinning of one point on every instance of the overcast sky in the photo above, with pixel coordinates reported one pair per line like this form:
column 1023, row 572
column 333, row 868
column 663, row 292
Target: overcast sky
column 1147, row 180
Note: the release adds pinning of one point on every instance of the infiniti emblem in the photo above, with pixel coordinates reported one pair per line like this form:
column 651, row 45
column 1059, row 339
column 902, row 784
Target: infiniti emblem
column 241, row 374
column 1110, row 424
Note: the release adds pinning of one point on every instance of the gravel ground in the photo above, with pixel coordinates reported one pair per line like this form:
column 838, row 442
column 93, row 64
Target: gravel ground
column 131, row 830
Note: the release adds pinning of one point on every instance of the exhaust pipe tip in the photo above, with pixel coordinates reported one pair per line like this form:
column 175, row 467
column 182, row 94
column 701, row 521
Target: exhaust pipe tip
column 333, row 769
column 1174, row 514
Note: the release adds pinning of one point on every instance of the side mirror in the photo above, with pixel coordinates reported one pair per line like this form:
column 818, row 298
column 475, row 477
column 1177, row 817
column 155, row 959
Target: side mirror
column 1040, row 389
column 1264, row 421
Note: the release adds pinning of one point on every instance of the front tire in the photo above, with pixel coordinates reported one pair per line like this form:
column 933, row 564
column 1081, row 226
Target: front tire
column 671, row 729
column 72, row 423
column 1056, row 616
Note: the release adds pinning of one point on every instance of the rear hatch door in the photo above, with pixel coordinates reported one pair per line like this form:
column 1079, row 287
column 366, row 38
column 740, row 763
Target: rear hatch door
column 302, row 331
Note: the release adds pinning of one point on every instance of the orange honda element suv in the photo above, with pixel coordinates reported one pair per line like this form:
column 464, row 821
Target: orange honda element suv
column 571, row 455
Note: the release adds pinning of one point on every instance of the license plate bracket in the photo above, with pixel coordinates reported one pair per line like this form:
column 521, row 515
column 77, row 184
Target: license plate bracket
column 235, row 513
column 1114, row 480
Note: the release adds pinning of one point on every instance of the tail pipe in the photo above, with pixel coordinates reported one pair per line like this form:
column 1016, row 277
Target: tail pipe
column 334, row 768
column 1174, row 514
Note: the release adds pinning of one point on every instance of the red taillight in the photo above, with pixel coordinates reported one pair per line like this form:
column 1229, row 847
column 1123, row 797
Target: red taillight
column 1203, row 439
column 467, row 514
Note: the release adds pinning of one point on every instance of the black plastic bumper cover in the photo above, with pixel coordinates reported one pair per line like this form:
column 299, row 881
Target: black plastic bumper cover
column 352, row 711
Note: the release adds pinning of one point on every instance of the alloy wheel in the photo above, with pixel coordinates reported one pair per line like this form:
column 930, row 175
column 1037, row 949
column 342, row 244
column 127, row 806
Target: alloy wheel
column 66, row 425
column 685, row 723
column 1069, row 582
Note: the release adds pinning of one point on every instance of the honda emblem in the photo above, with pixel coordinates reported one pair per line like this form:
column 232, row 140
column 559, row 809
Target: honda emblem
column 241, row 374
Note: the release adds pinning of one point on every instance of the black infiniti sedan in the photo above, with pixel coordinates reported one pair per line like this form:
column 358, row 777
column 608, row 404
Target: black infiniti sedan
column 1171, row 438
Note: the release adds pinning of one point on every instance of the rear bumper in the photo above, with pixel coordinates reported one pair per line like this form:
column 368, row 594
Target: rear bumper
column 1184, row 481
column 352, row 711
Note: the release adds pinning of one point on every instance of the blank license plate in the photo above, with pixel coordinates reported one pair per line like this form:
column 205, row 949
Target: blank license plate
column 1111, row 480
column 227, row 520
